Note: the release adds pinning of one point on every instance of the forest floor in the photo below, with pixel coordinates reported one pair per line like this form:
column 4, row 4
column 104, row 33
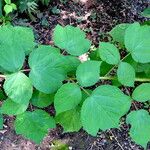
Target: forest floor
column 95, row 19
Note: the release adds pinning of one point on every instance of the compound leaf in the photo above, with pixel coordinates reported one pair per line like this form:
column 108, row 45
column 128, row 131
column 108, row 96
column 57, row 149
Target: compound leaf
column 109, row 53
column 72, row 39
column 70, row 120
column 9, row 107
column 126, row 74
column 104, row 108
column 140, row 126
column 88, row 73
column 67, row 97
column 142, row 92
column 47, row 72
column 42, row 100
column 137, row 42
column 34, row 125
column 18, row 87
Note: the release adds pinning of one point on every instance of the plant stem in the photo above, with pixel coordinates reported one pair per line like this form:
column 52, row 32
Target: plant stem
column 2, row 76
column 136, row 79
column 25, row 70
column 116, row 65
column 80, row 87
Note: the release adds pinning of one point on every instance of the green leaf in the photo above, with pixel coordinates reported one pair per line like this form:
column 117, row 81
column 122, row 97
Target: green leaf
column 109, row 53
column 142, row 92
column 70, row 63
column 143, row 67
column 126, row 74
column 2, row 95
column 105, row 68
column 45, row 2
column 130, row 61
column 9, row 107
column 8, row 1
column 11, row 52
column 25, row 33
column 34, row 125
column 94, row 55
column 85, row 95
column 70, row 120
column 88, row 73
column 118, row 32
column 72, row 39
column 42, row 100
column 140, row 126
column 67, row 97
column 46, row 72
column 146, row 12
column 115, row 82
column 104, row 108
column 14, row 7
column 18, row 87
column 8, row 9
column 2, row 70
column 137, row 42
column 1, row 121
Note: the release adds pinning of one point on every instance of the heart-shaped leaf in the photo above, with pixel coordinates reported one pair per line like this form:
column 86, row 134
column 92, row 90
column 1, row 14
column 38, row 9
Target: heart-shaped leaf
column 67, row 97
column 104, row 108
column 72, row 39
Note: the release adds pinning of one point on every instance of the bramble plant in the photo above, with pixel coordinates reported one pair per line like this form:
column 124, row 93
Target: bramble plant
column 41, row 75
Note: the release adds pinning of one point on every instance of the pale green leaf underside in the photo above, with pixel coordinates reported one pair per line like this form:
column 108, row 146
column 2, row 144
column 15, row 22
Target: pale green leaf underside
column 126, row 74
column 34, row 125
column 9, row 107
column 88, row 73
column 104, row 108
column 142, row 92
column 18, row 87
column 47, row 72
column 137, row 42
column 70, row 120
column 67, row 97
column 72, row 39
column 140, row 126
column 109, row 53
